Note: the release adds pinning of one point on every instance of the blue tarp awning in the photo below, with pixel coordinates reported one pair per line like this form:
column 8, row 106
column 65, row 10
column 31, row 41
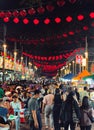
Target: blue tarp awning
column 68, row 76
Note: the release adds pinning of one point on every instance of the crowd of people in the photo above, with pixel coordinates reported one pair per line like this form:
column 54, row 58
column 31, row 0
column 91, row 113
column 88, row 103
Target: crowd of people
column 62, row 106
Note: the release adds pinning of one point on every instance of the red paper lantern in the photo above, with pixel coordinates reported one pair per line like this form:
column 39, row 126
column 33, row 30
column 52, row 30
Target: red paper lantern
column 80, row 17
column 68, row 18
column 23, row 13
column 16, row 20
column 36, row 21
column 8, row 14
column 6, row 19
column 57, row 20
column 85, row 28
column 61, row 3
column 65, row 35
column 50, row 7
column 71, row 33
column 31, row 11
column 16, row 13
column 41, row 10
column 47, row 21
column 56, row 57
column 2, row 14
column 91, row 15
column 25, row 21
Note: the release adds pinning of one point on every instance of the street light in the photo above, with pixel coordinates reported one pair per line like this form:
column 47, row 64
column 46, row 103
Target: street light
column 4, row 56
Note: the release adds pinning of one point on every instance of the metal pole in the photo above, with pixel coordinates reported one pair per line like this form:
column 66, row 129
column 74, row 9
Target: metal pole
column 73, row 67
column 86, row 53
column 3, row 69
column 15, row 57
column 79, row 67
column 4, row 55
column 21, row 65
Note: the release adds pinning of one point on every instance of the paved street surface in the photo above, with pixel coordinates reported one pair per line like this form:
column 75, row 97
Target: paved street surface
column 25, row 126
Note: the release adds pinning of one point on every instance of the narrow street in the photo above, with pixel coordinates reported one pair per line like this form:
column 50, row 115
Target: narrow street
column 25, row 126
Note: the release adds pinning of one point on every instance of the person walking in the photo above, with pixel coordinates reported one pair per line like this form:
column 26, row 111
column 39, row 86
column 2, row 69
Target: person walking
column 71, row 111
column 86, row 111
column 57, row 108
column 34, row 110
column 48, row 105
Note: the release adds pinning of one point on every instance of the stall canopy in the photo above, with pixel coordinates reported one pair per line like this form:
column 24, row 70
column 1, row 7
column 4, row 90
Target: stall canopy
column 81, row 75
column 89, row 77
column 68, row 76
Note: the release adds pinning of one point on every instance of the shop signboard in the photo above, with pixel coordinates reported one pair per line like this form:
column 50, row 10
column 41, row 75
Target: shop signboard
column 79, row 59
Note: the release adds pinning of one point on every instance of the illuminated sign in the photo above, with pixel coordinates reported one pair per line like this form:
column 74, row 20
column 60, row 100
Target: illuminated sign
column 79, row 59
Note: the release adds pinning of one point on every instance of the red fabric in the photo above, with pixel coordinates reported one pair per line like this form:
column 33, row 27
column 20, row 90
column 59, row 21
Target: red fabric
column 11, row 111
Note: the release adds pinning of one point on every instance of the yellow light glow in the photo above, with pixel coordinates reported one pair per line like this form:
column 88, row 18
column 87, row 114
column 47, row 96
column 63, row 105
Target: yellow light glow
column 69, row 64
column 30, row 63
column 21, row 58
column 15, row 53
column 86, row 54
column 4, row 45
column 36, row 68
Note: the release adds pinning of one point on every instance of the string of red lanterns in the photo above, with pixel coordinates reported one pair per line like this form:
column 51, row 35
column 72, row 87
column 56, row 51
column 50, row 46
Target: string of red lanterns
column 48, row 39
column 31, row 11
column 36, row 21
column 23, row 13
column 52, row 58
column 50, row 68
